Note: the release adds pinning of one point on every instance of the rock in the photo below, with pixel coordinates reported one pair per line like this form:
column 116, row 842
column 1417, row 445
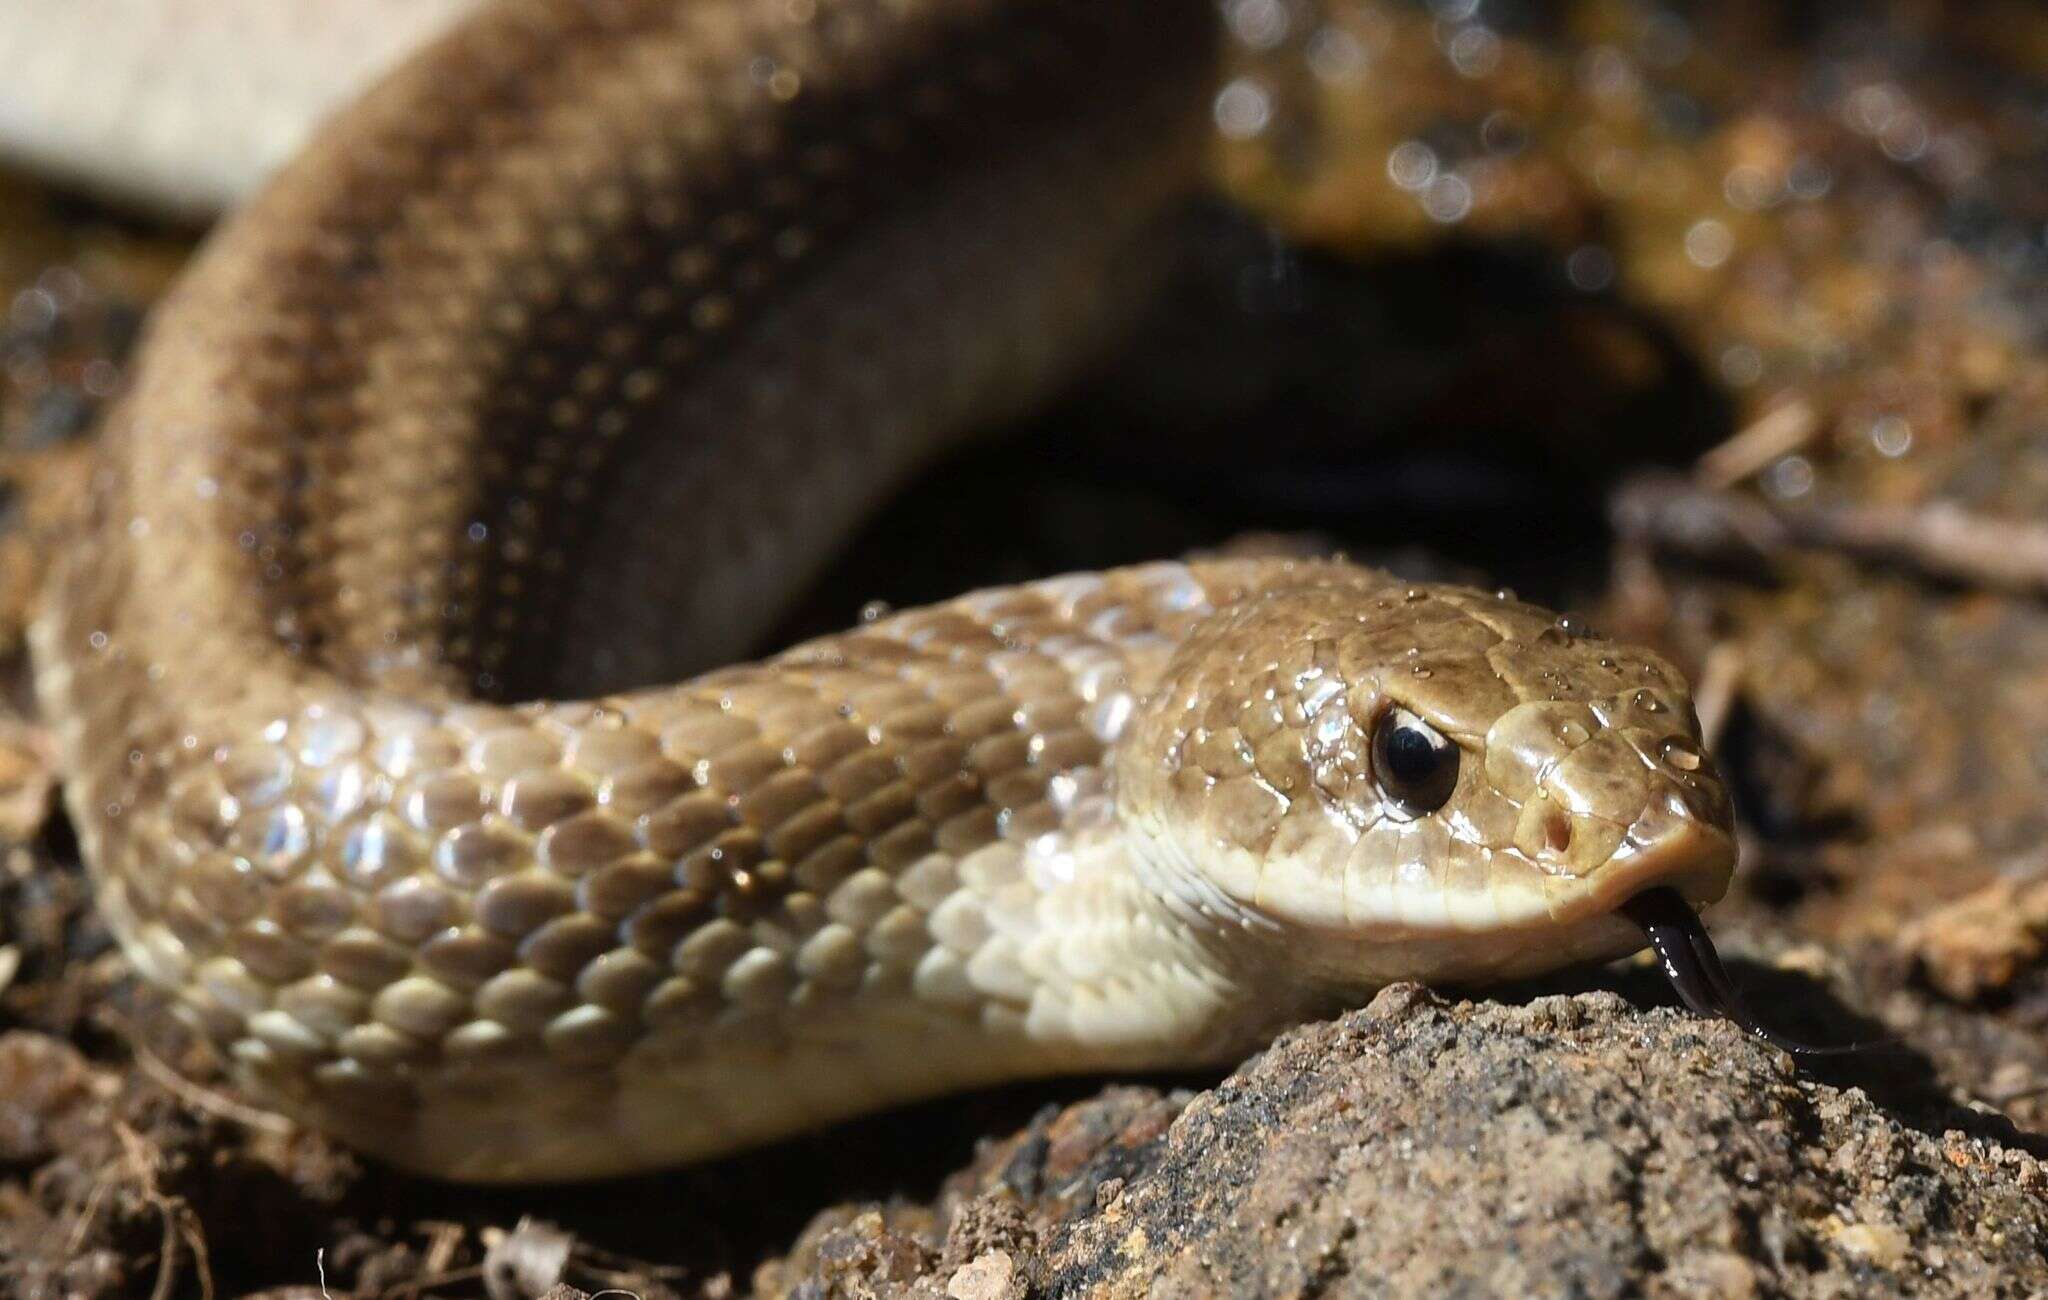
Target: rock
column 1421, row 1147
column 45, row 1085
column 994, row 1276
column 528, row 1261
column 1981, row 942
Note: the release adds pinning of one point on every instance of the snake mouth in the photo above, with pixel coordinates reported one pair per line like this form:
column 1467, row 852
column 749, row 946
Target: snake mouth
column 1680, row 940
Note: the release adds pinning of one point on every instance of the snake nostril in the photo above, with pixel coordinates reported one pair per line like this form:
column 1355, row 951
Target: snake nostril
column 1557, row 833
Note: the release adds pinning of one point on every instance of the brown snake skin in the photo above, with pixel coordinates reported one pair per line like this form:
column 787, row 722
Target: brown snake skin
column 551, row 368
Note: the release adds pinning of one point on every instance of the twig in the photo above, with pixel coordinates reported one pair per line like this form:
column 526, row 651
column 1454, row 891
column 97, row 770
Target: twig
column 206, row 1099
column 1720, row 678
column 1939, row 538
column 2008, row 1096
column 180, row 1223
column 88, row 1213
column 444, row 1242
column 437, row 1266
column 166, row 1258
column 1777, row 432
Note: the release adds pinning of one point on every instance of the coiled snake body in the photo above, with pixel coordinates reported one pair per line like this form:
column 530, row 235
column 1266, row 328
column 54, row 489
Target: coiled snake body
column 548, row 368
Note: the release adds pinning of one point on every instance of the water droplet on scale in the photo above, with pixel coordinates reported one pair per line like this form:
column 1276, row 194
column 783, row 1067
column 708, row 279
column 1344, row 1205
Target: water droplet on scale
column 1681, row 755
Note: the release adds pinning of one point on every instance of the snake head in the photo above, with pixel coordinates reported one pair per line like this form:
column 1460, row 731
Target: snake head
column 1421, row 781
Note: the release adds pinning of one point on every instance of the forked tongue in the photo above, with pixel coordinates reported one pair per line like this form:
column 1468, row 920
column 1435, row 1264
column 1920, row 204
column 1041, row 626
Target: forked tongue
column 1680, row 941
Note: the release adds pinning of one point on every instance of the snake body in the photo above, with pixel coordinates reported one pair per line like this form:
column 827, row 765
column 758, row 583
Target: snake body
column 547, row 370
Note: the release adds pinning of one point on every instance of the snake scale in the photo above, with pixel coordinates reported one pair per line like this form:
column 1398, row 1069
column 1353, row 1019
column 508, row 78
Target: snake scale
column 546, row 372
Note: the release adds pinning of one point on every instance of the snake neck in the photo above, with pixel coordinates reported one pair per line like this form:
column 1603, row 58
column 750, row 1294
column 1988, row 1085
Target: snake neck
column 1084, row 947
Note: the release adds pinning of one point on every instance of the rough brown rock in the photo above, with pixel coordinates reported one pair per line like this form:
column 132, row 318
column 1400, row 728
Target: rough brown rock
column 44, row 1086
column 1571, row 1146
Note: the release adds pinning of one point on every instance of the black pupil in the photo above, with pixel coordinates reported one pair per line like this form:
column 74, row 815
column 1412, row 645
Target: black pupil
column 1411, row 757
column 1417, row 767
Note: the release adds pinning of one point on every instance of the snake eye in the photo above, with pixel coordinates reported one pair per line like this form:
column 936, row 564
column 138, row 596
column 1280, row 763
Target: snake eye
column 1413, row 762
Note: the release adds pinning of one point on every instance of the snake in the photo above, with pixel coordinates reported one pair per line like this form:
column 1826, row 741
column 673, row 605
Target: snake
column 391, row 665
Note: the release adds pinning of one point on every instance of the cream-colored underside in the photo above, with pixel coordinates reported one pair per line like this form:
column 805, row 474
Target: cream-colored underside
column 186, row 106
